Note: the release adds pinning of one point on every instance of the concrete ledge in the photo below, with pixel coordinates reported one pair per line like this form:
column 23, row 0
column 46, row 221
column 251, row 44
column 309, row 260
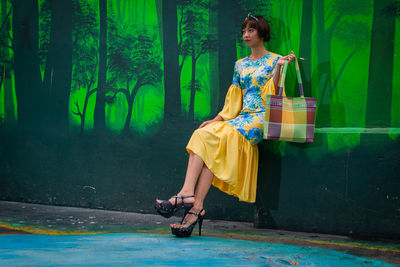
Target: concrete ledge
column 358, row 130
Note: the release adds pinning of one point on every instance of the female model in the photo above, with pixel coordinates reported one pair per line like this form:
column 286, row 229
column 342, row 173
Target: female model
column 223, row 151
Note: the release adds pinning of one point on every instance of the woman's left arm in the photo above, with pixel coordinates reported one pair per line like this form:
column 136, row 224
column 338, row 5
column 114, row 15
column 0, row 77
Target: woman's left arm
column 279, row 64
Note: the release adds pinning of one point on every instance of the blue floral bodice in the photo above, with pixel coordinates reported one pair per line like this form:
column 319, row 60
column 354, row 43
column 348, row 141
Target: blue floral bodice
column 253, row 77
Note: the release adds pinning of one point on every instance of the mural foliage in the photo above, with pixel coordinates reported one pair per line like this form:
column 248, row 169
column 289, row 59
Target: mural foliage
column 80, row 66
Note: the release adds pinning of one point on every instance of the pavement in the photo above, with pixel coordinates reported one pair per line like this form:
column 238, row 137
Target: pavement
column 26, row 218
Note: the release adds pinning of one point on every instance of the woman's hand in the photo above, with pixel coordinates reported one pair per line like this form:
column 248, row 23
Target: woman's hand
column 289, row 58
column 217, row 118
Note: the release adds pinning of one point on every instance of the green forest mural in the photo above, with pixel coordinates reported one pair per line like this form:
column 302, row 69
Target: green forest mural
column 96, row 65
column 96, row 93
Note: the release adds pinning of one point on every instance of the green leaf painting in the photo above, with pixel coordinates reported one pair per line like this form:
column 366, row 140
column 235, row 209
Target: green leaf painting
column 130, row 66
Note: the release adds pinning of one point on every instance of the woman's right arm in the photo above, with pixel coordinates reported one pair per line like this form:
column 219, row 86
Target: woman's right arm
column 217, row 118
column 277, row 74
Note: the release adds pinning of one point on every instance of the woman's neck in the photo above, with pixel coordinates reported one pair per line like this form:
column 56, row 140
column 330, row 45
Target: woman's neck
column 258, row 52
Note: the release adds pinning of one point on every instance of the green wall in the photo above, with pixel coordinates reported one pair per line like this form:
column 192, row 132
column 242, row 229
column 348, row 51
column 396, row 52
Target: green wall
column 99, row 98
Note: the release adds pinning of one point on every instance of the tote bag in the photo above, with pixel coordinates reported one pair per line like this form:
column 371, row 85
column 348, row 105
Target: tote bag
column 290, row 118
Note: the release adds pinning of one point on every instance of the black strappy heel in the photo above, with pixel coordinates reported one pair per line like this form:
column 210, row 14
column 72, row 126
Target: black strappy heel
column 187, row 231
column 166, row 209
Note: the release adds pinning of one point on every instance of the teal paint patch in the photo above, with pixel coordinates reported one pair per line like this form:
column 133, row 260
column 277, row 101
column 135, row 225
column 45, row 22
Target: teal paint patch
column 164, row 250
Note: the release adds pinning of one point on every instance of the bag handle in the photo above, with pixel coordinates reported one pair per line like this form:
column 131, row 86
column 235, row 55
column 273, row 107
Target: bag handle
column 283, row 77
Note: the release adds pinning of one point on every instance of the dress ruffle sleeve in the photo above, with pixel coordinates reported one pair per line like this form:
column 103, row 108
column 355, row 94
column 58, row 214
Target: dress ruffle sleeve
column 233, row 103
column 234, row 98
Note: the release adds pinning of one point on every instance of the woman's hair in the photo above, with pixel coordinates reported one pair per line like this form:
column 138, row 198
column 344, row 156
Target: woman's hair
column 261, row 25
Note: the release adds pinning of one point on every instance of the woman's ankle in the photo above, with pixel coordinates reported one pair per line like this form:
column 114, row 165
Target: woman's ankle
column 186, row 193
column 198, row 205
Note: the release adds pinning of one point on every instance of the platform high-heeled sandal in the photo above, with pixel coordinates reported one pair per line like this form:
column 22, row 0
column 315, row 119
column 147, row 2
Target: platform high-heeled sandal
column 167, row 209
column 187, row 231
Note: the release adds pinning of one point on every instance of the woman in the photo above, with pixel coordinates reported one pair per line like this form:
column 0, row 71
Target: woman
column 223, row 151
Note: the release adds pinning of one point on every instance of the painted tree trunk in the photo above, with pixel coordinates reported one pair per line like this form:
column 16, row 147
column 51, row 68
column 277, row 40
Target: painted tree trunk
column 99, row 110
column 119, row 16
column 324, row 66
column 213, row 60
column 128, row 116
column 226, row 47
column 29, row 92
column 131, row 99
column 58, row 70
column 136, row 12
column 9, row 105
column 143, row 13
column 380, row 79
column 83, row 118
column 305, row 45
column 193, row 85
column 172, row 92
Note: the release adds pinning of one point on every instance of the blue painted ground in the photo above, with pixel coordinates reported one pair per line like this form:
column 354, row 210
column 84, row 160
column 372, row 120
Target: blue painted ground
column 163, row 250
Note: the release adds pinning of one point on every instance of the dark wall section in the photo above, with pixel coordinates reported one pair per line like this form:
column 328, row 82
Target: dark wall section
column 355, row 191
column 351, row 192
column 102, row 172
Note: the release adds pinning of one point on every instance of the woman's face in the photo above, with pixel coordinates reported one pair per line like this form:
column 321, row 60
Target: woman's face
column 250, row 36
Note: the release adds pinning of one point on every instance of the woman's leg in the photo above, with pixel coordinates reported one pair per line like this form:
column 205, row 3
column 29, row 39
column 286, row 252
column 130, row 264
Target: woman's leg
column 193, row 171
column 203, row 186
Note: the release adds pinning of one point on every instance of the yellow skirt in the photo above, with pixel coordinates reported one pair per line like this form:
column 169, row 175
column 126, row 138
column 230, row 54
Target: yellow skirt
column 231, row 158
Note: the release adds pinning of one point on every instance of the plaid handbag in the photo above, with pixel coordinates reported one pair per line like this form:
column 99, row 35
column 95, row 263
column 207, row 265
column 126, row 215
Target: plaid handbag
column 290, row 118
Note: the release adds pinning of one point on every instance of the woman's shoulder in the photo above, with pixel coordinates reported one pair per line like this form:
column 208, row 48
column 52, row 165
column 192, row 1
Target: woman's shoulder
column 271, row 59
column 241, row 60
column 241, row 63
column 269, row 55
column 274, row 55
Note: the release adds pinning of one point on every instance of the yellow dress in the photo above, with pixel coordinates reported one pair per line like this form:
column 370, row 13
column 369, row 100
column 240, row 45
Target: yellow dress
column 229, row 148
